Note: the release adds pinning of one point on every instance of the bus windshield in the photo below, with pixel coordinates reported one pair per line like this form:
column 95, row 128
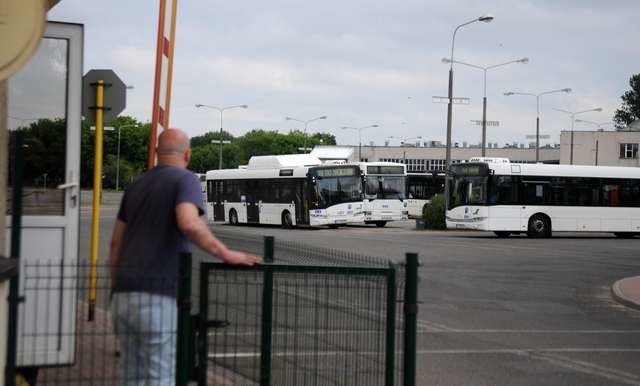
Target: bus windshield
column 385, row 187
column 467, row 190
column 337, row 185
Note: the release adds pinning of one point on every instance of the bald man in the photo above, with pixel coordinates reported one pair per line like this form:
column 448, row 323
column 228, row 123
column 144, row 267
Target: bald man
column 159, row 214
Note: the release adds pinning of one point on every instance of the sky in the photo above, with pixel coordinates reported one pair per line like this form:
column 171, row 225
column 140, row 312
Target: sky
column 363, row 63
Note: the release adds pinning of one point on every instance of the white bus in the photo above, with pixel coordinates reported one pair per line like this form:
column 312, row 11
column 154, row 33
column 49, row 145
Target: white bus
column 499, row 196
column 287, row 190
column 384, row 192
column 420, row 188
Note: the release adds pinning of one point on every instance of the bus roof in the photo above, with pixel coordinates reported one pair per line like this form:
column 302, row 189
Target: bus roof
column 564, row 170
column 282, row 161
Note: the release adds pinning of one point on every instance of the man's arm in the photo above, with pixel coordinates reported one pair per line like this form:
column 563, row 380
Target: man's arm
column 116, row 245
column 197, row 231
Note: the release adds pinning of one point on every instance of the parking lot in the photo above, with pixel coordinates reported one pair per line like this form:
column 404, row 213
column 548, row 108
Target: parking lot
column 514, row 311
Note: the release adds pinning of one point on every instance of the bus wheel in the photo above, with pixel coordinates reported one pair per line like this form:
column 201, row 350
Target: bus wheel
column 502, row 234
column 381, row 224
column 539, row 226
column 624, row 235
column 287, row 222
column 233, row 217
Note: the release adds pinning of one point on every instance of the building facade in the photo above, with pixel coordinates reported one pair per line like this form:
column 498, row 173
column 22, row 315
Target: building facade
column 606, row 148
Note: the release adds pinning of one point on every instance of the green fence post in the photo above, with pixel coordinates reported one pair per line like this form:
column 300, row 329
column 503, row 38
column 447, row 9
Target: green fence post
column 410, row 319
column 201, row 372
column 16, row 230
column 184, row 321
column 267, row 314
column 390, row 352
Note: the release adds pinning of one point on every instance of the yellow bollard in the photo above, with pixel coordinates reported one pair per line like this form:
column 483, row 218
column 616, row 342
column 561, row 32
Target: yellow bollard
column 97, row 190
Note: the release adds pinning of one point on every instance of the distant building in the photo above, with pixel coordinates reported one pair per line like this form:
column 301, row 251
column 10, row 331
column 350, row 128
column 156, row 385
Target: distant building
column 608, row 148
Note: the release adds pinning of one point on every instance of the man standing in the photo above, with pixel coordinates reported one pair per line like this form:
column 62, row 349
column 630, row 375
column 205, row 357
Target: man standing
column 159, row 213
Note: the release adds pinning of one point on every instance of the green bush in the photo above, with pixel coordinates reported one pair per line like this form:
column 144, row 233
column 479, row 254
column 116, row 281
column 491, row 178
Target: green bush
column 434, row 213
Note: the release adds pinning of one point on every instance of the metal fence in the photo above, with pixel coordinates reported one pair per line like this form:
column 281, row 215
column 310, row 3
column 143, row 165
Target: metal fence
column 295, row 322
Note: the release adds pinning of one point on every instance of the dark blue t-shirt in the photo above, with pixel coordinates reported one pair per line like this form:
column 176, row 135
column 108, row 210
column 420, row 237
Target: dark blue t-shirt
column 152, row 242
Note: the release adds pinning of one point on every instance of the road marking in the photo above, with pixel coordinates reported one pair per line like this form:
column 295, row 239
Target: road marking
column 588, row 368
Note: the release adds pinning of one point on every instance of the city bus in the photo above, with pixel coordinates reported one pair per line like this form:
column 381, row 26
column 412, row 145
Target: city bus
column 286, row 190
column 420, row 188
column 384, row 192
column 537, row 199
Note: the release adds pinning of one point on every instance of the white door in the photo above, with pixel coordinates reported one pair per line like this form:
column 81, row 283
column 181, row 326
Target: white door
column 44, row 101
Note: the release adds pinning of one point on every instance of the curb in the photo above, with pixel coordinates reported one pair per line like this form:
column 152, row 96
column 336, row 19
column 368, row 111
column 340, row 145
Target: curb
column 619, row 295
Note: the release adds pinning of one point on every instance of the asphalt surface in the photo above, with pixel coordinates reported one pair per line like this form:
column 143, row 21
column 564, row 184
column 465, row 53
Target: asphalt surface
column 513, row 311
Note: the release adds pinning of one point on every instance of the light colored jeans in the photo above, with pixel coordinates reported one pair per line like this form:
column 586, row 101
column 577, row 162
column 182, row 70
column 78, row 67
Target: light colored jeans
column 146, row 326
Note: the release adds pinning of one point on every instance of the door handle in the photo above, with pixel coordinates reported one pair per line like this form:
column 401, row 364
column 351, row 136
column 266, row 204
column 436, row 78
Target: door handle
column 74, row 195
column 68, row 185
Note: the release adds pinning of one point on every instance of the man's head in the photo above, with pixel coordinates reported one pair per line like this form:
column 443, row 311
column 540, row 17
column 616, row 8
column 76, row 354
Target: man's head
column 173, row 148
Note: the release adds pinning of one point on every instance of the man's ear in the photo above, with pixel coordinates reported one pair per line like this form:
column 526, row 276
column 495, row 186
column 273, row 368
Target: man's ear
column 187, row 156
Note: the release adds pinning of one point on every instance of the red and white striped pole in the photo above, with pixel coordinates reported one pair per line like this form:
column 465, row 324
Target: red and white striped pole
column 164, row 69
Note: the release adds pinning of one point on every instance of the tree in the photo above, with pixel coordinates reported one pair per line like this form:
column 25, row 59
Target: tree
column 630, row 109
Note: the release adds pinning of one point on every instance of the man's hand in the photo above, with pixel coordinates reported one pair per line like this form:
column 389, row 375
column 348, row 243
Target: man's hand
column 233, row 257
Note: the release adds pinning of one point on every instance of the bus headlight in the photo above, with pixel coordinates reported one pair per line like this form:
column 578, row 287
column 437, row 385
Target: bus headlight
column 405, row 204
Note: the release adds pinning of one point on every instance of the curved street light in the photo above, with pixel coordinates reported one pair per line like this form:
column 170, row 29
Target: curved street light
column 573, row 115
column 306, row 123
column 484, row 99
column 598, row 125
column 221, row 109
column 485, row 19
column 537, row 96
column 359, row 129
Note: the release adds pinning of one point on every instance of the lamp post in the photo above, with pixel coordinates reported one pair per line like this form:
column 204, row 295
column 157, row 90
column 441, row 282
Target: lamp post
column 359, row 129
column 118, row 155
column 306, row 123
column 484, row 99
column 537, row 96
column 221, row 110
column 596, row 124
column 573, row 115
column 485, row 19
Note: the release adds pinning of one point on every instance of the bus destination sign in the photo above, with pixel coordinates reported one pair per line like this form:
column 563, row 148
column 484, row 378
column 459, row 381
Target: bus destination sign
column 385, row 170
column 336, row 172
column 469, row 170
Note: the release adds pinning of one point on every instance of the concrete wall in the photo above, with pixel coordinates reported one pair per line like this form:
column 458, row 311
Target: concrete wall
column 584, row 147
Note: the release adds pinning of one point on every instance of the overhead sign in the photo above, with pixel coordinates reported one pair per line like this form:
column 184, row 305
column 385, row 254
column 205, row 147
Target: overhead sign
column 115, row 95
column 489, row 123
column 21, row 27
column 533, row 136
column 454, row 100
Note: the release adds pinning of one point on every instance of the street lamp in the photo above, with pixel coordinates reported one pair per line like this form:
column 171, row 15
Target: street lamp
column 221, row 110
column 306, row 123
column 598, row 125
column 485, row 19
column 537, row 96
column 484, row 99
column 359, row 137
column 118, row 156
column 573, row 115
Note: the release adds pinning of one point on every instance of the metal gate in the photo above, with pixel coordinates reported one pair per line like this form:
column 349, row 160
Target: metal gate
column 285, row 324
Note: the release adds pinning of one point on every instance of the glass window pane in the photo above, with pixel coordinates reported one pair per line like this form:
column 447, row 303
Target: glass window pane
column 37, row 107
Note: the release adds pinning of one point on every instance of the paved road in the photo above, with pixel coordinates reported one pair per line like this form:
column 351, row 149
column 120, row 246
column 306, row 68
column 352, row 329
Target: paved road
column 494, row 311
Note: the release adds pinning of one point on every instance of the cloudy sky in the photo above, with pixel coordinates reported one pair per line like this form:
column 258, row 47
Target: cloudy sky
column 370, row 62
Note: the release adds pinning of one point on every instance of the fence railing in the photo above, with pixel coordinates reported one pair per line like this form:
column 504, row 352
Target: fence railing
column 277, row 323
